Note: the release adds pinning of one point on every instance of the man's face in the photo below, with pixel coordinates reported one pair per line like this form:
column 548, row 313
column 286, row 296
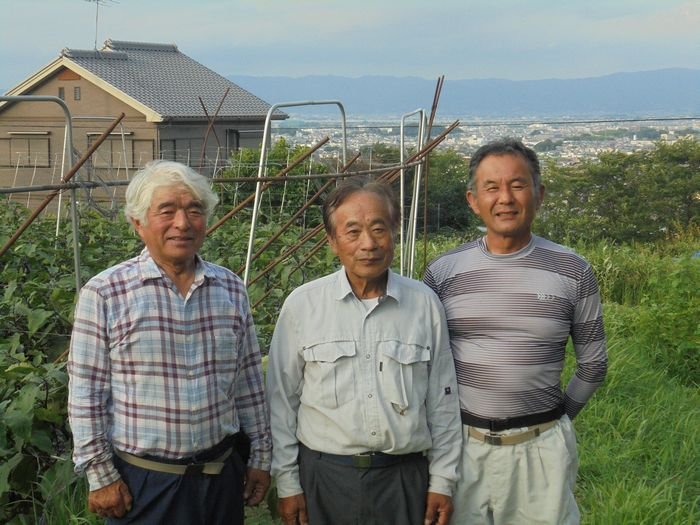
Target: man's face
column 176, row 226
column 506, row 199
column 363, row 239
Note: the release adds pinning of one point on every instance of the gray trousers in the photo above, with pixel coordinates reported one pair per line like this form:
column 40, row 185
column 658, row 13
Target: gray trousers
column 346, row 495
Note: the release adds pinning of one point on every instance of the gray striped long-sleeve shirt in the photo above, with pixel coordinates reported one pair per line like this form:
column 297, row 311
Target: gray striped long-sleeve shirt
column 510, row 317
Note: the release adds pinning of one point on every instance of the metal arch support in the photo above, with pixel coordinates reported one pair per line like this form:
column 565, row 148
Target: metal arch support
column 263, row 159
column 421, row 125
column 68, row 144
column 413, row 220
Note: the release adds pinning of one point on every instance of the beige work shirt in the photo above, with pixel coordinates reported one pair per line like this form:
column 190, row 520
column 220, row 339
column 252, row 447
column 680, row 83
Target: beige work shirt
column 346, row 379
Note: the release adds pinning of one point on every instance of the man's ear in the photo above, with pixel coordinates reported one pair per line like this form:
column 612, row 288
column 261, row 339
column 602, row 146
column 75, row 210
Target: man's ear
column 138, row 227
column 332, row 243
column 471, row 199
column 540, row 196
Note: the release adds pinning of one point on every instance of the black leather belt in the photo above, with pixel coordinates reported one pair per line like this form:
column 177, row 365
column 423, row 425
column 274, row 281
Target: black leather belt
column 366, row 459
column 496, row 425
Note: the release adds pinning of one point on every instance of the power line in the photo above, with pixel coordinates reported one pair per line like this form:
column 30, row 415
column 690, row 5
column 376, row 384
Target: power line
column 478, row 124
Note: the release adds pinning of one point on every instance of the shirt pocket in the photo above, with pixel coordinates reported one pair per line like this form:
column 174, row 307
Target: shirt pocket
column 329, row 378
column 221, row 362
column 404, row 374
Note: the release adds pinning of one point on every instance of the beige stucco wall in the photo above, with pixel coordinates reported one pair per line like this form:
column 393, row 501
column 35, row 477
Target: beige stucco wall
column 32, row 138
column 36, row 158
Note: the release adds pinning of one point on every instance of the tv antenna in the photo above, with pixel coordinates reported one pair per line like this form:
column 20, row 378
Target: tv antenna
column 97, row 13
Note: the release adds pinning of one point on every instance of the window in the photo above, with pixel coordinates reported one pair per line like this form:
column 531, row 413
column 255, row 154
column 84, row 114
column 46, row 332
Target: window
column 233, row 140
column 76, row 93
column 30, row 148
column 62, row 93
column 185, row 150
column 112, row 153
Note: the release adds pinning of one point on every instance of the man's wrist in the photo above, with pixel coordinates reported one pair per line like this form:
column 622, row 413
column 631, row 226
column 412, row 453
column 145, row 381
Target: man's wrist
column 100, row 475
column 440, row 485
column 288, row 485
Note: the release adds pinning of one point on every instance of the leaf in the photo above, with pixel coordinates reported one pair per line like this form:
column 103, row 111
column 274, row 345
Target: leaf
column 36, row 319
column 284, row 278
column 10, row 288
column 41, row 439
column 58, row 477
column 5, row 471
column 20, row 414
column 10, row 344
column 50, row 415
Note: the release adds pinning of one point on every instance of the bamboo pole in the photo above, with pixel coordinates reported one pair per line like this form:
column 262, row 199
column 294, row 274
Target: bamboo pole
column 286, row 170
column 303, row 208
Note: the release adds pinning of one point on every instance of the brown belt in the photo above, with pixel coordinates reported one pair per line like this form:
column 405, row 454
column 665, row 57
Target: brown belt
column 212, row 468
column 510, row 439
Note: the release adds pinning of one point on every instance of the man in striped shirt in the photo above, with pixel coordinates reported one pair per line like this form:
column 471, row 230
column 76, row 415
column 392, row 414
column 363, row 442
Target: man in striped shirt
column 165, row 371
column 512, row 301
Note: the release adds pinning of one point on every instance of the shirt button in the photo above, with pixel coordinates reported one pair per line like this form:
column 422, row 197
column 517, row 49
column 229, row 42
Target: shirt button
column 374, row 433
column 368, row 356
column 369, row 395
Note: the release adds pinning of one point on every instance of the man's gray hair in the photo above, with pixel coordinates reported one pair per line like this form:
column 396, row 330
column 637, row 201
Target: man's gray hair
column 163, row 174
column 354, row 185
column 506, row 146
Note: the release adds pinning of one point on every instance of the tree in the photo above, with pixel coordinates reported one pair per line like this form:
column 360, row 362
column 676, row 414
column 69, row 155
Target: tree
column 642, row 196
column 447, row 186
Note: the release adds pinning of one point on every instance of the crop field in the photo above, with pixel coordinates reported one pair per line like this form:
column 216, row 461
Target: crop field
column 639, row 437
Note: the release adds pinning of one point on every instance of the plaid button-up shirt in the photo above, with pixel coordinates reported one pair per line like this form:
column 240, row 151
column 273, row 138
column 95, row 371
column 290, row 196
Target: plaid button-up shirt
column 154, row 373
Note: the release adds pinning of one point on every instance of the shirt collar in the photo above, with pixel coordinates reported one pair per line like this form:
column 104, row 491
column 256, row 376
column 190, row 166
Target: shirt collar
column 393, row 289
column 149, row 269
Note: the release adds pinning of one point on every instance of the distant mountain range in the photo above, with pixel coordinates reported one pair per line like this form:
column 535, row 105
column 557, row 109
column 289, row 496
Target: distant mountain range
column 665, row 92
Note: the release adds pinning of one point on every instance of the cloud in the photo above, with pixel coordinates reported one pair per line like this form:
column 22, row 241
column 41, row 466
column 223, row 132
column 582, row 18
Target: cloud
column 459, row 38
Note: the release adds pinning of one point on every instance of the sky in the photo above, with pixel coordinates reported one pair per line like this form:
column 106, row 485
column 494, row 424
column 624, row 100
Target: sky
column 461, row 39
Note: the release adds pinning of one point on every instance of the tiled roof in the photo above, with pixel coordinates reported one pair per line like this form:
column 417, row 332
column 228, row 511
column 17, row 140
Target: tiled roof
column 167, row 81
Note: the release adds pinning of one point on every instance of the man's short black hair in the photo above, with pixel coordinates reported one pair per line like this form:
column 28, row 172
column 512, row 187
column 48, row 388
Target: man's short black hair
column 506, row 146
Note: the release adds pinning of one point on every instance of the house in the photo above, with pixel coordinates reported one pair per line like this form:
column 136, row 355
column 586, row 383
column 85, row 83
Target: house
column 165, row 95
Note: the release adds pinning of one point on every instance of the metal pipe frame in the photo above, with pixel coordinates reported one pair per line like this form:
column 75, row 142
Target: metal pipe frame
column 74, row 169
column 263, row 159
column 67, row 144
column 421, row 123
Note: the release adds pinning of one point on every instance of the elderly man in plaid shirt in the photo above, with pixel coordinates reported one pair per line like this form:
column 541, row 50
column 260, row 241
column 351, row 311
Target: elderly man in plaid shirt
column 165, row 370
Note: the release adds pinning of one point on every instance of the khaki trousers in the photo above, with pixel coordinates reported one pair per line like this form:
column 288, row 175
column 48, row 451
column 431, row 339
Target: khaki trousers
column 525, row 484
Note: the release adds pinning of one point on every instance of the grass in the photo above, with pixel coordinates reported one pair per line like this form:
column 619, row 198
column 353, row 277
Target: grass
column 639, row 445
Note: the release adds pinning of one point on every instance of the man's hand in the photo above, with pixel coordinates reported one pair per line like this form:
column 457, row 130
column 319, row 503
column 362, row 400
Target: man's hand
column 438, row 509
column 111, row 501
column 256, row 484
column 292, row 510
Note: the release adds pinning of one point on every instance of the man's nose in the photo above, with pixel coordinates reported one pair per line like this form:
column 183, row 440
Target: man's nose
column 505, row 194
column 181, row 219
column 367, row 240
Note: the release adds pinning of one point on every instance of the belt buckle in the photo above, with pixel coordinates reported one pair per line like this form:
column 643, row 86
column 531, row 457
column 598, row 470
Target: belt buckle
column 194, row 469
column 363, row 460
column 493, row 439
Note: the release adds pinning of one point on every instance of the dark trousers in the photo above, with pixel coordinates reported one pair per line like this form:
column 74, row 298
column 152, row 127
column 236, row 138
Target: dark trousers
column 169, row 499
column 345, row 495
